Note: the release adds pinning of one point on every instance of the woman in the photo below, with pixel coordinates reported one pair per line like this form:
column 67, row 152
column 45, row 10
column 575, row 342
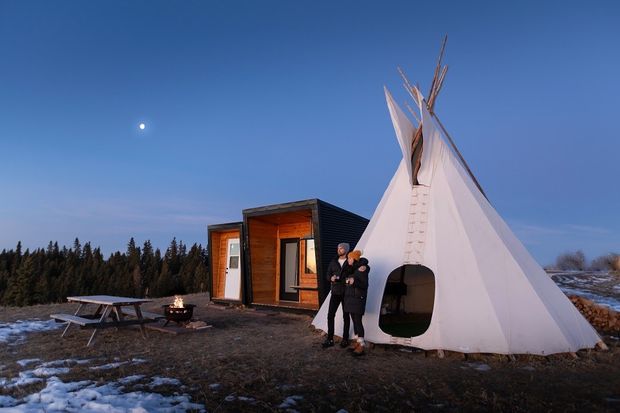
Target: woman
column 356, row 287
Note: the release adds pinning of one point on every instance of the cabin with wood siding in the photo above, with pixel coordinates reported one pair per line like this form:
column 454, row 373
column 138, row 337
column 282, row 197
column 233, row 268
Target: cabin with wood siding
column 284, row 253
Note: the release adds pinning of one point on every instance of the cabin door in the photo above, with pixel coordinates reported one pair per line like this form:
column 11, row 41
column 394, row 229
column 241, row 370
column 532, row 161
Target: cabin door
column 232, row 288
column 289, row 269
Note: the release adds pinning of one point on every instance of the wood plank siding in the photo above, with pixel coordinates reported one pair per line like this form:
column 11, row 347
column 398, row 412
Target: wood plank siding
column 265, row 234
column 219, row 252
column 263, row 259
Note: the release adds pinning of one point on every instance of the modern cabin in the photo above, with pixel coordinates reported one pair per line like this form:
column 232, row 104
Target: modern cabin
column 284, row 253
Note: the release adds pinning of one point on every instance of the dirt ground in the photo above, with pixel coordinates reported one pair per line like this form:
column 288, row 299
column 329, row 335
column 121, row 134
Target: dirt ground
column 261, row 358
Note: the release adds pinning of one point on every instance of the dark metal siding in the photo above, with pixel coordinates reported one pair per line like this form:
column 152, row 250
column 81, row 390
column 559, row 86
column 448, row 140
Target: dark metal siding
column 336, row 225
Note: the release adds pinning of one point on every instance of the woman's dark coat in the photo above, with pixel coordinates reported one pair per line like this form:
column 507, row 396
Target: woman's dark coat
column 355, row 294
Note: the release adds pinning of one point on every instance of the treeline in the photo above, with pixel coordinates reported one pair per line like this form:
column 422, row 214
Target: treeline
column 50, row 275
column 577, row 261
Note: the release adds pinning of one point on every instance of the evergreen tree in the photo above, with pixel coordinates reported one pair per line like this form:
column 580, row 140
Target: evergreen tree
column 20, row 286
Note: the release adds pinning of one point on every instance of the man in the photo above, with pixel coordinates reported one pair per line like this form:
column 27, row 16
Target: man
column 336, row 275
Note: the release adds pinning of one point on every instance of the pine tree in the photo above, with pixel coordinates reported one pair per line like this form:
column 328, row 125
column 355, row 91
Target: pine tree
column 20, row 286
column 133, row 258
column 150, row 268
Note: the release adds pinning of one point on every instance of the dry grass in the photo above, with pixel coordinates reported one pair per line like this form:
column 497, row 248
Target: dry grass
column 271, row 356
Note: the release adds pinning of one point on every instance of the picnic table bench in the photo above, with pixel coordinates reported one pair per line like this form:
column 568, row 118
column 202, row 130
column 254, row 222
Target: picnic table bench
column 81, row 321
column 111, row 312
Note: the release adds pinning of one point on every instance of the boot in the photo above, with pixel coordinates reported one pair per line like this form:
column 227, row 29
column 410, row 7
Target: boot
column 360, row 350
column 328, row 343
column 344, row 343
column 353, row 346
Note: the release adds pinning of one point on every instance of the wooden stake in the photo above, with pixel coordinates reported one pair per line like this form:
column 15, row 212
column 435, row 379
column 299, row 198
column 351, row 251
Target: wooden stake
column 438, row 87
column 602, row 346
column 460, row 155
column 438, row 67
column 413, row 92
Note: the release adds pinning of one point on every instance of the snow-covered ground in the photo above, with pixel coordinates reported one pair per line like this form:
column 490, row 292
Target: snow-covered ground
column 14, row 332
column 601, row 287
column 87, row 395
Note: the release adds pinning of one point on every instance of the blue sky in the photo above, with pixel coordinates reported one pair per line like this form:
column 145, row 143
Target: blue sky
column 249, row 103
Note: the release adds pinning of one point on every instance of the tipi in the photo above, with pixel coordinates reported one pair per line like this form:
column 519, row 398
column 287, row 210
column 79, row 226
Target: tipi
column 440, row 253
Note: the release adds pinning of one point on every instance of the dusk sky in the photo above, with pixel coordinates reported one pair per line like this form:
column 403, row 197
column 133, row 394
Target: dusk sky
column 251, row 103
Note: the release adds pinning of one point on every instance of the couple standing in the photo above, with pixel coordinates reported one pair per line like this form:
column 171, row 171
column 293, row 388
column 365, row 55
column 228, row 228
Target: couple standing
column 348, row 275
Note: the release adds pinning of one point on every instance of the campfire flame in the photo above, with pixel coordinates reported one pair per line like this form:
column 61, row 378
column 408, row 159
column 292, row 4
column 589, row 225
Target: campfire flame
column 178, row 302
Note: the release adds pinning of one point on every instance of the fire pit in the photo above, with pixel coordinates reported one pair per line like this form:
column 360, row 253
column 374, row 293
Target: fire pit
column 178, row 312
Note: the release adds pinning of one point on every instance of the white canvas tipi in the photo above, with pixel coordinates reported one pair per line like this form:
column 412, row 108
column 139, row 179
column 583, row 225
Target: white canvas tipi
column 464, row 268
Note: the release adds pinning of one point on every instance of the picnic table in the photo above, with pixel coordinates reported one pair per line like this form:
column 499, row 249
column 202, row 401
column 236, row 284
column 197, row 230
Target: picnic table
column 112, row 311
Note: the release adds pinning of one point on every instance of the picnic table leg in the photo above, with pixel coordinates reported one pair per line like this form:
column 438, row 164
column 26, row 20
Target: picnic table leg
column 99, row 310
column 68, row 323
column 139, row 315
column 119, row 314
column 106, row 311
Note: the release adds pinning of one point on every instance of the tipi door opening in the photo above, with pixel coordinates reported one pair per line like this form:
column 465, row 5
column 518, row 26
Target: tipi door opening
column 408, row 301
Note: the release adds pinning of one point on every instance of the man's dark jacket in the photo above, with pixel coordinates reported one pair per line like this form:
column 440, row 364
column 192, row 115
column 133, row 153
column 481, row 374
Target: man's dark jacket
column 334, row 268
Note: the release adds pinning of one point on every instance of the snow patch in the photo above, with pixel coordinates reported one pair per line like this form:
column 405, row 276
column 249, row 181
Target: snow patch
column 290, row 402
column 599, row 287
column 163, row 381
column 25, row 362
column 477, row 366
column 84, row 396
column 131, row 379
column 7, row 401
column 49, row 371
column 65, row 362
column 109, row 366
column 23, row 379
column 11, row 332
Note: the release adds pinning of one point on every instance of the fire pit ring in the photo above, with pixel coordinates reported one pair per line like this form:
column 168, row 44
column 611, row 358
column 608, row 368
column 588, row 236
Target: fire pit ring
column 179, row 315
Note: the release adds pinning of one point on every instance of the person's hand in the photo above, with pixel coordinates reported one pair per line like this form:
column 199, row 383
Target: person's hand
column 333, row 278
column 363, row 268
column 350, row 281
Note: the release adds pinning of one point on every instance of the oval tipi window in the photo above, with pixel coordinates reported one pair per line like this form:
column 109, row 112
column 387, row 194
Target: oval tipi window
column 408, row 300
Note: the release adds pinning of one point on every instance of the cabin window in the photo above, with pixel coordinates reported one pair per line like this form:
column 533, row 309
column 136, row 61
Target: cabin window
column 310, row 257
column 408, row 301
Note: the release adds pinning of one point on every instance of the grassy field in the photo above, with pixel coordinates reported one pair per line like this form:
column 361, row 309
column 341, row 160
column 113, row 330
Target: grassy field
column 267, row 361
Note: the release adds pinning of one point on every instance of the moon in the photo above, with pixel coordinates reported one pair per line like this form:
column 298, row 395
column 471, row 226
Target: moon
column 142, row 126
